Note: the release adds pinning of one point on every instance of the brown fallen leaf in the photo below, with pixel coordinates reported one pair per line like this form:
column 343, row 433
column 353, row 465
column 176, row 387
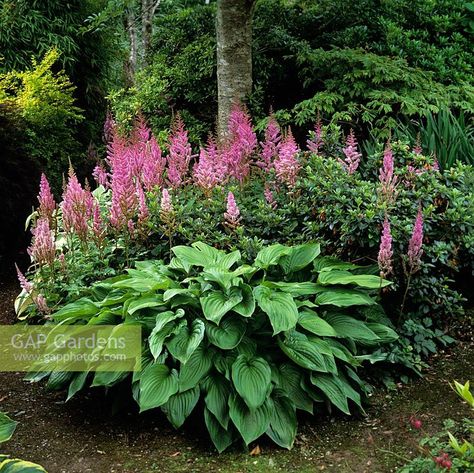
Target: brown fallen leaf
column 175, row 454
column 256, row 451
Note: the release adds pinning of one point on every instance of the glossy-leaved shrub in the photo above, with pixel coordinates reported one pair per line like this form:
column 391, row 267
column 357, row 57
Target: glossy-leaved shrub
column 250, row 344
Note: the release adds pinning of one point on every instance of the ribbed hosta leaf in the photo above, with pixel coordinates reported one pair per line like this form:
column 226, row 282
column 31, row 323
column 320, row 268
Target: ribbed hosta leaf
column 228, row 334
column 345, row 277
column 13, row 465
column 144, row 302
column 303, row 352
column 159, row 335
column 351, row 328
column 180, row 405
column 270, row 255
column 299, row 257
column 343, row 297
column 247, row 306
column 332, row 387
column 311, row 322
column 7, row 427
column 279, row 306
column 290, row 380
column 217, row 397
column 216, row 304
column 251, row 423
column 221, row 438
column 283, row 421
column 195, row 369
column 252, row 379
column 294, row 288
column 157, row 384
column 184, row 342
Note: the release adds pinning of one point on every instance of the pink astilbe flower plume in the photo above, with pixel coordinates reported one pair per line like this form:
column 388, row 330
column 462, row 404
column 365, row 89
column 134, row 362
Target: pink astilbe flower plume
column 387, row 177
column 42, row 249
column 100, row 175
column 98, row 225
column 352, row 155
column 286, row 164
column 415, row 246
column 41, row 304
column 269, row 197
column 179, row 154
column 166, row 204
column 143, row 212
column 154, row 165
column 109, row 128
column 47, row 204
column 232, row 213
column 209, row 171
column 316, row 141
column 270, row 145
column 24, row 283
column 241, row 144
column 385, row 250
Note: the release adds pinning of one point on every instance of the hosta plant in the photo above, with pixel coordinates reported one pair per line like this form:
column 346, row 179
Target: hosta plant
column 254, row 342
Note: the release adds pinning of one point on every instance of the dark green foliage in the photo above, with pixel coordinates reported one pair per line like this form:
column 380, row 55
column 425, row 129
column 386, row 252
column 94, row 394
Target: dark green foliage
column 256, row 342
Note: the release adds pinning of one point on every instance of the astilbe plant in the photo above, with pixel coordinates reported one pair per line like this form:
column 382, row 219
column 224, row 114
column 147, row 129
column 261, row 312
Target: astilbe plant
column 232, row 213
column 385, row 250
column 287, row 165
column 179, row 154
column 315, row 141
column 352, row 155
column 47, row 204
column 255, row 342
column 387, row 177
column 42, row 249
column 271, row 145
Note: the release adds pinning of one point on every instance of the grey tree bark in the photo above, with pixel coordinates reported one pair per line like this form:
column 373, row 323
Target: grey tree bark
column 149, row 8
column 234, row 56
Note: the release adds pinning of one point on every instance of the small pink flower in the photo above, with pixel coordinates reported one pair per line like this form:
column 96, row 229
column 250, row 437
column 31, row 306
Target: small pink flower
column 385, row 251
column 143, row 212
column 269, row 197
column 415, row 423
column 287, row 165
column 352, row 155
column 232, row 214
column 166, row 203
column 415, row 245
column 443, row 461
column 24, row 283
column 316, row 141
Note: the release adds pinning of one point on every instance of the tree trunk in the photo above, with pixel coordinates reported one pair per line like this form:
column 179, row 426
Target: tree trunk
column 148, row 12
column 234, row 56
column 131, row 62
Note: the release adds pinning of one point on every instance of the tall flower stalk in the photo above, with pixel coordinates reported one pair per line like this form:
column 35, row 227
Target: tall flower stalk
column 352, row 155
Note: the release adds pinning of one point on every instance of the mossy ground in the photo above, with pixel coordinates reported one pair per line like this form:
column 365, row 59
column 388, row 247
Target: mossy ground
column 82, row 436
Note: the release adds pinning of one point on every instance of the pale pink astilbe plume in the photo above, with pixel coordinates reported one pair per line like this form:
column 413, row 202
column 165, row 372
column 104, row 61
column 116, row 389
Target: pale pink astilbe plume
column 47, row 204
column 387, row 177
column 100, row 175
column 209, row 171
column 77, row 206
column 141, row 131
column 385, row 250
column 166, row 204
column 415, row 245
column 352, row 155
column 316, row 141
column 154, row 165
column 286, row 164
column 241, row 144
column 42, row 249
column 269, row 197
column 179, row 154
column 41, row 304
column 98, row 225
column 232, row 213
column 143, row 212
column 24, row 283
column 109, row 127
column 131, row 228
column 270, row 145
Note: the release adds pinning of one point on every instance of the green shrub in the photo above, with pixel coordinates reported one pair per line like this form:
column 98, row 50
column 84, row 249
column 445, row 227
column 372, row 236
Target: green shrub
column 255, row 341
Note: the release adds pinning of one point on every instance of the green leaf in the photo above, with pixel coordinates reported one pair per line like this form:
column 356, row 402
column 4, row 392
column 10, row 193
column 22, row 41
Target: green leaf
column 299, row 257
column 108, row 378
column 160, row 334
column 252, row 379
column 217, row 397
column 144, row 302
column 345, row 277
column 13, row 465
column 77, row 384
column 221, row 438
column 195, row 369
column 333, row 390
column 270, row 255
column 343, row 297
column 216, row 304
column 81, row 309
column 302, row 351
column 311, row 322
column 251, row 423
column 199, row 254
column 348, row 327
column 7, row 427
column 247, row 306
column 228, row 334
column 290, row 380
column 294, row 288
column 157, row 385
column 283, row 421
column 330, row 263
column 385, row 334
column 185, row 342
column 180, row 405
column 279, row 306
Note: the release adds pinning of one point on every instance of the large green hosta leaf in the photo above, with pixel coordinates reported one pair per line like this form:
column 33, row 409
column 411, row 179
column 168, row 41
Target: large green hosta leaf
column 345, row 277
column 200, row 254
column 311, row 322
column 294, row 288
column 221, row 437
column 279, row 306
column 81, row 309
column 252, row 379
column 291, row 381
column 13, row 465
column 270, row 255
column 217, row 397
column 351, row 328
column 160, row 333
column 343, row 297
column 7, row 427
column 157, row 384
column 299, row 257
column 228, row 334
column 303, row 352
column 180, row 405
column 283, row 421
column 198, row 365
column 247, row 306
column 215, row 304
column 251, row 423
column 186, row 340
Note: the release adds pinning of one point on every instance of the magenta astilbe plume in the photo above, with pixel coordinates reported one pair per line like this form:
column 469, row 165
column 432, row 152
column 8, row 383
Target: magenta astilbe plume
column 315, row 142
column 232, row 213
column 24, row 283
column 242, row 142
column 109, row 128
column 415, row 246
column 287, row 165
column 166, row 204
column 77, row 206
column 98, row 226
column 270, row 145
column 269, row 197
column 385, row 250
column 100, row 175
column 351, row 153
column 387, row 177
column 154, row 165
column 179, row 154
column 41, row 304
column 143, row 212
column 42, row 249
column 209, row 171
column 47, row 205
